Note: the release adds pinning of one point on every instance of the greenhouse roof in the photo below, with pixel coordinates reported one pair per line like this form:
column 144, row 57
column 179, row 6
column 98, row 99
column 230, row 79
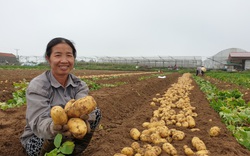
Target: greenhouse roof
column 153, row 58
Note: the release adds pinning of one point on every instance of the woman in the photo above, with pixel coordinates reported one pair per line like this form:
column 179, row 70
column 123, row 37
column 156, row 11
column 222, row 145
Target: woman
column 54, row 87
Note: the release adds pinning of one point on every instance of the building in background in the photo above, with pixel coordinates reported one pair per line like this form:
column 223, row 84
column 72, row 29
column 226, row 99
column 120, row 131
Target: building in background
column 8, row 59
column 239, row 60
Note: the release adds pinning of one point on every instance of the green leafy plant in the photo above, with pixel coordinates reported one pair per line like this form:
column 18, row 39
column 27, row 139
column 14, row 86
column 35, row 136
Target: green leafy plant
column 61, row 149
column 19, row 98
column 113, row 85
column 241, row 78
column 92, row 84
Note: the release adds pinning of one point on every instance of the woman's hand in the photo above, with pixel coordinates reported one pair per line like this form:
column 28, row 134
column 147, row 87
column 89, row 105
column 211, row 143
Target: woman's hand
column 85, row 118
column 62, row 129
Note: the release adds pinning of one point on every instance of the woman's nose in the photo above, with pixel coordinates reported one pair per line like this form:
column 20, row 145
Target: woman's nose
column 64, row 59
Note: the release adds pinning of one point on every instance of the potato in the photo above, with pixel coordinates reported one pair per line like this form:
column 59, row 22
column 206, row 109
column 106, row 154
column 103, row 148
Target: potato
column 194, row 129
column 119, row 154
column 145, row 124
column 152, row 104
column 153, row 124
column 68, row 104
column 164, row 131
column 150, row 153
column 147, row 146
column 184, row 124
column 188, row 151
column 169, row 149
column 155, row 136
column 135, row 146
column 159, row 140
column 58, row 115
column 191, row 121
column 145, row 137
column 135, row 133
column 141, row 150
column 77, row 127
column 128, row 151
column 82, row 106
column 202, row 153
column 214, row 131
column 178, row 135
column 157, row 150
column 198, row 144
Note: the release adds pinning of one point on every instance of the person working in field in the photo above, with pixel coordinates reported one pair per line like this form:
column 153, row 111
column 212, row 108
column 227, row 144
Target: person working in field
column 203, row 70
column 55, row 87
column 200, row 71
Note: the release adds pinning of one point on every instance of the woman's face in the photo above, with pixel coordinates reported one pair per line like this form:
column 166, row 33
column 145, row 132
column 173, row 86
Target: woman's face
column 61, row 59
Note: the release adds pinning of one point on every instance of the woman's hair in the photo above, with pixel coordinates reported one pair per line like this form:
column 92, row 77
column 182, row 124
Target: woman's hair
column 56, row 41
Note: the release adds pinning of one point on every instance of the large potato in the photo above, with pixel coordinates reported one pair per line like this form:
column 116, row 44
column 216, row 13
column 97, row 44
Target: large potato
column 135, row 133
column 68, row 104
column 198, row 144
column 58, row 115
column 82, row 106
column 77, row 127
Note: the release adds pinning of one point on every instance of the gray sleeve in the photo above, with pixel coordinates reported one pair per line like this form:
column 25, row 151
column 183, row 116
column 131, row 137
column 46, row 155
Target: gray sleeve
column 38, row 110
column 82, row 90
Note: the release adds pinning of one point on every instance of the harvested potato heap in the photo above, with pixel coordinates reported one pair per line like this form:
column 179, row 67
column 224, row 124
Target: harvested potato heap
column 71, row 114
column 156, row 136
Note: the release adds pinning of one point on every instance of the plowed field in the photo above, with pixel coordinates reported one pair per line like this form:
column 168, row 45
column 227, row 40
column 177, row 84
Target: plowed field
column 123, row 107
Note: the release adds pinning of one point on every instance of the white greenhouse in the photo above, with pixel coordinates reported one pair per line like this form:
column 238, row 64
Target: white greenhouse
column 159, row 61
column 220, row 60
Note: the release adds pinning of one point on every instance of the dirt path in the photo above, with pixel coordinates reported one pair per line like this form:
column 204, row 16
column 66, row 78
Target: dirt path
column 123, row 108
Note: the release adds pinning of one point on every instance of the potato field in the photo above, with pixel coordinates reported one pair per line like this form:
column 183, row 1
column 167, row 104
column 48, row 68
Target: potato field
column 147, row 102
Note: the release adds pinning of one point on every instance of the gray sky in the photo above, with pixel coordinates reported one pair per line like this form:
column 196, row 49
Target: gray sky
column 126, row 27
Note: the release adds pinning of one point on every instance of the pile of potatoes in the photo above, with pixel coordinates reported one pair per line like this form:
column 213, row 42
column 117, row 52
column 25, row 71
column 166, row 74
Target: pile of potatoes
column 156, row 137
column 71, row 114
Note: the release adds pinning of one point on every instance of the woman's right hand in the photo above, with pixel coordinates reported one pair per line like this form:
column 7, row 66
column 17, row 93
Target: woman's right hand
column 62, row 129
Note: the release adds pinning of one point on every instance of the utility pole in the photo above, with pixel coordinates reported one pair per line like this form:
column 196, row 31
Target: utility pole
column 17, row 54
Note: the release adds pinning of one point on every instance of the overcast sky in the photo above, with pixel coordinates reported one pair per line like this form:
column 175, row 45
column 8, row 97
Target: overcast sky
column 126, row 27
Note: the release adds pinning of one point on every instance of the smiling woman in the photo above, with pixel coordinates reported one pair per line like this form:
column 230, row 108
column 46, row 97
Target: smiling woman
column 55, row 87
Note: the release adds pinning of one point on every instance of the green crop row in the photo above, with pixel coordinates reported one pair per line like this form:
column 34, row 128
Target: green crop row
column 233, row 110
column 242, row 79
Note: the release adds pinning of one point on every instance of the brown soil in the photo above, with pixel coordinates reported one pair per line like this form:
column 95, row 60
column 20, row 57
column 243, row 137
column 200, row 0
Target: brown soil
column 123, row 108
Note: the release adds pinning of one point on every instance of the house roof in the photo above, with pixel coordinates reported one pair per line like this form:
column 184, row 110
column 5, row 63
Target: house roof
column 237, row 57
column 239, row 54
column 7, row 54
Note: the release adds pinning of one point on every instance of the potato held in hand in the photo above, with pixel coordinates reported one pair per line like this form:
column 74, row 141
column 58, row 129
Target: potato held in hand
column 82, row 106
column 68, row 104
column 58, row 115
column 77, row 127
